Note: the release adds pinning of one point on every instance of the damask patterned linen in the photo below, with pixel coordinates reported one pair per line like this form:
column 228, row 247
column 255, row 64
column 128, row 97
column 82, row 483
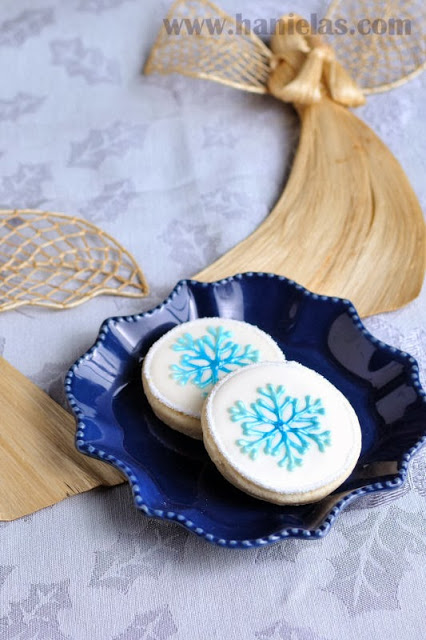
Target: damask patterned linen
column 178, row 171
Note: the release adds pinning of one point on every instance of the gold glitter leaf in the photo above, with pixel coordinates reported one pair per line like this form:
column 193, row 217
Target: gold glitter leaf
column 57, row 261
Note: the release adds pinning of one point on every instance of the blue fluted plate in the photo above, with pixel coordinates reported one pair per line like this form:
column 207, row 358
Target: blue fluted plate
column 171, row 475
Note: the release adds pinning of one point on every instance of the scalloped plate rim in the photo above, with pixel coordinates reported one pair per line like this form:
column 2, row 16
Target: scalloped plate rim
column 288, row 532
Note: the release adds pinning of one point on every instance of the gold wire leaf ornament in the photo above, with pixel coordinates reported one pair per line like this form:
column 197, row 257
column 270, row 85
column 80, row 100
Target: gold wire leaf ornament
column 386, row 41
column 348, row 223
column 198, row 40
column 57, row 261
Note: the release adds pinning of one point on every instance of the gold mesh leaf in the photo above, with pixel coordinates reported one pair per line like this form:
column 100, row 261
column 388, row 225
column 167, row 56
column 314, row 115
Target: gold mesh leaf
column 242, row 62
column 58, row 261
column 381, row 62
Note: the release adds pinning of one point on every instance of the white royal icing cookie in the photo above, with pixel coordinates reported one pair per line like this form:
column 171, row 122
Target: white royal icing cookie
column 281, row 432
column 182, row 367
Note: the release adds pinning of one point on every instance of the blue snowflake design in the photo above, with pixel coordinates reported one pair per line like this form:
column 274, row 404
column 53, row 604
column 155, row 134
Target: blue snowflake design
column 204, row 359
column 280, row 425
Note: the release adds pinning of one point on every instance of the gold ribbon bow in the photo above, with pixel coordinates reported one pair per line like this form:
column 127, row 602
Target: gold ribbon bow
column 304, row 69
column 297, row 68
column 348, row 223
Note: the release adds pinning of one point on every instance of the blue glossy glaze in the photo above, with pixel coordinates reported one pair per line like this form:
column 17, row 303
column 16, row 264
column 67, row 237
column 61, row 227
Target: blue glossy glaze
column 172, row 476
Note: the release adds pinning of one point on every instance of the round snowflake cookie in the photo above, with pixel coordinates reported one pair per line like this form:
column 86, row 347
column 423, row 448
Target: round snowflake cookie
column 281, row 432
column 183, row 366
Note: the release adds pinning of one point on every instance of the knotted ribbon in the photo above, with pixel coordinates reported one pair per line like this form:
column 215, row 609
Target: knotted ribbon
column 348, row 223
column 304, row 69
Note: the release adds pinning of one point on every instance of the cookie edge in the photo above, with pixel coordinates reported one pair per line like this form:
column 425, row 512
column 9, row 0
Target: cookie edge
column 155, row 393
column 239, row 480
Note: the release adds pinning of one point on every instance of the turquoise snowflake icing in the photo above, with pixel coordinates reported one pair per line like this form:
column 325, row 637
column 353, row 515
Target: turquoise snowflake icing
column 280, row 425
column 204, row 359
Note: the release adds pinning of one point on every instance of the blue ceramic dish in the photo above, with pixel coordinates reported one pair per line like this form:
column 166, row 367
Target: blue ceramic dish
column 171, row 475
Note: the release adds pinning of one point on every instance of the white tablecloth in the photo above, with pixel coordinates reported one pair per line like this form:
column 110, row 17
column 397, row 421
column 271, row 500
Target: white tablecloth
column 179, row 171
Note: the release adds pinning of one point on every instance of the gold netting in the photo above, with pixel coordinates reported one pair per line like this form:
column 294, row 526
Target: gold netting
column 381, row 61
column 241, row 61
column 57, row 261
column 238, row 58
column 348, row 223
